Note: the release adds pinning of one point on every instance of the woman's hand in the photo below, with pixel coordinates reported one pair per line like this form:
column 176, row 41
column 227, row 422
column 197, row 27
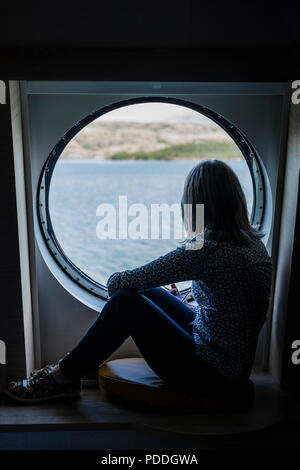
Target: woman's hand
column 189, row 305
column 174, row 290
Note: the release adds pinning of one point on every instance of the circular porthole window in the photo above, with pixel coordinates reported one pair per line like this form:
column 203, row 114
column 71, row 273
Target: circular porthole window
column 140, row 151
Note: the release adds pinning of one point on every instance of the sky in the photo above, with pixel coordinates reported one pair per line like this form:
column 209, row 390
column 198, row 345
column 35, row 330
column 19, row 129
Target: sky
column 156, row 112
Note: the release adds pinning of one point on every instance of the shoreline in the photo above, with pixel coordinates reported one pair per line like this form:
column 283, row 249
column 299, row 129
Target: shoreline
column 133, row 160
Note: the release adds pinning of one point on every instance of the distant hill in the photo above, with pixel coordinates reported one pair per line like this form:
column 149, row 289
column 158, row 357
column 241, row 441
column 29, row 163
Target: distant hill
column 155, row 140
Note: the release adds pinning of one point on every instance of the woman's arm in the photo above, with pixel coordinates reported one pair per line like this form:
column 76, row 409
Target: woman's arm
column 175, row 266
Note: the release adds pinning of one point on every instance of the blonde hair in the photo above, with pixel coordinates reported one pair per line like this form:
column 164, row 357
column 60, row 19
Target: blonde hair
column 215, row 185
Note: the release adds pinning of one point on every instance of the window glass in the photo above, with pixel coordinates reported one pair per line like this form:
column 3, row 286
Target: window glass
column 141, row 153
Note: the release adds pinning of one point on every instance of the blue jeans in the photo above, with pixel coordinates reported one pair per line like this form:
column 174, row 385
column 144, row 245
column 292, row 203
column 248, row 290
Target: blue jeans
column 158, row 323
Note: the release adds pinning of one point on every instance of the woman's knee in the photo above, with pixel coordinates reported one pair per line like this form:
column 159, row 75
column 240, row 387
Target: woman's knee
column 133, row 302
column 152, row 291
column 124, row 294
column 122, row 303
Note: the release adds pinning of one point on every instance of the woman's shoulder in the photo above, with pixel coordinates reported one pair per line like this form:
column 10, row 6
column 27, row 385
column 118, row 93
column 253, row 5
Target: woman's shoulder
column 253, row 253
column 204, row 245
column 258, row 248
column 201, row 247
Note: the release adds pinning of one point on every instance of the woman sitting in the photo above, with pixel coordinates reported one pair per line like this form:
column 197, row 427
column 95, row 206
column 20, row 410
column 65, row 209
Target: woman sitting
column 215, row 340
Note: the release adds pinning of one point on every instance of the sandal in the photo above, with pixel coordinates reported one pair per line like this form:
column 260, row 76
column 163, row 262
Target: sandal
column 40, row 387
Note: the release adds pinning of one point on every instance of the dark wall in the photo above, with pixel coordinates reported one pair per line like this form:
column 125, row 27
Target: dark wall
column 122, row 64
column 155, row 24
column 11, row 315
column 160, row 40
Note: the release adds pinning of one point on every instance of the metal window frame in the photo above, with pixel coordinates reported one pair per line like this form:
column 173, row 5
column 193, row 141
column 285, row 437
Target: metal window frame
column 42, row 201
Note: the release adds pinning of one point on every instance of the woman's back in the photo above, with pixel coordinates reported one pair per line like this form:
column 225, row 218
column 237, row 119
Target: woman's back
column 232, row 295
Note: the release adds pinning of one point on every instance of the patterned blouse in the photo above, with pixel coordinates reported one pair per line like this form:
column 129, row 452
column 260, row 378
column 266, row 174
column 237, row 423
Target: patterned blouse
column 231, row 287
